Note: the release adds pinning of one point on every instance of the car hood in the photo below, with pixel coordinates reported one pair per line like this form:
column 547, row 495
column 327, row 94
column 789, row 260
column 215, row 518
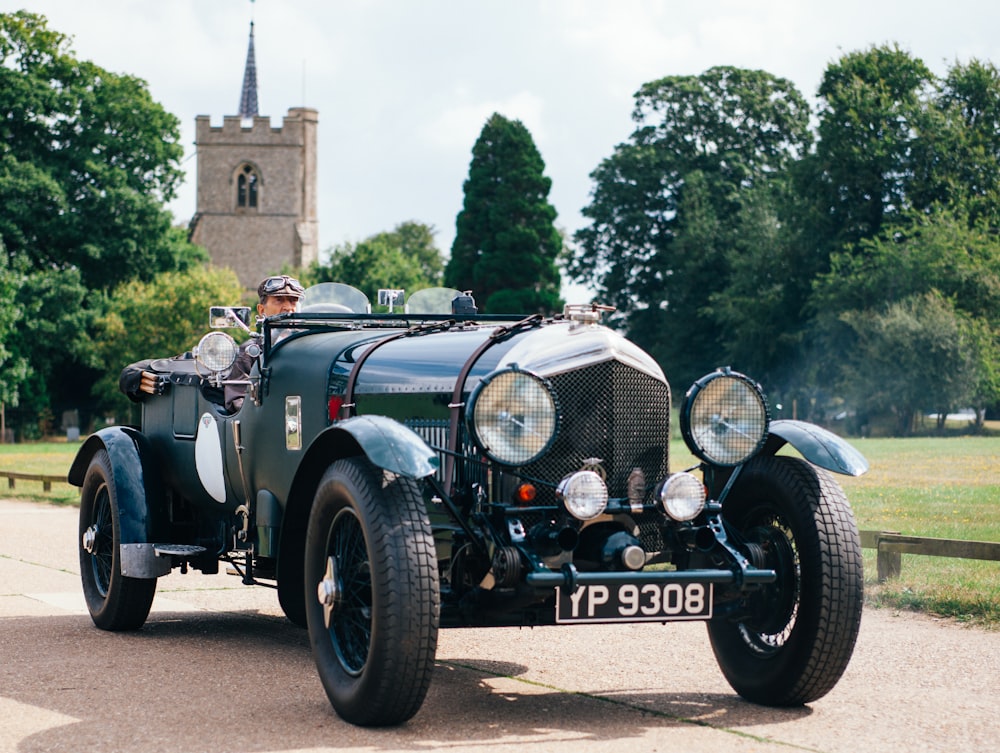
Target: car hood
column 432, row 362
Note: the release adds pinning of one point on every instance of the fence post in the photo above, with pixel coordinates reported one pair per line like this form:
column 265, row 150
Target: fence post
column 889, row 563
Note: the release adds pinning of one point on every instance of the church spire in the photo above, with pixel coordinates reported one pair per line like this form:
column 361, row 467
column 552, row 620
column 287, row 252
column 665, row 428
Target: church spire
column 248, row 98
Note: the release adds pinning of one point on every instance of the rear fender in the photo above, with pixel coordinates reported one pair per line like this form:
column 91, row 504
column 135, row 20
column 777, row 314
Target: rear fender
column 817, row 445
column 141, row 509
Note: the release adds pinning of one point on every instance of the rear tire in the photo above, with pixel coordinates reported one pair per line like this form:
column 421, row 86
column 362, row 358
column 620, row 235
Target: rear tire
column 369, row 544
column 114, row 601
column 800, row 634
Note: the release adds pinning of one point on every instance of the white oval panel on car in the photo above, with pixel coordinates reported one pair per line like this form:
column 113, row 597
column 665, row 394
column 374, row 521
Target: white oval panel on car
column 208, row 458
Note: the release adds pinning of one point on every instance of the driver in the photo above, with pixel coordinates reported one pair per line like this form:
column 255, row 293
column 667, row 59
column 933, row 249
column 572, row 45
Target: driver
column 279, row 294
column 276, row 295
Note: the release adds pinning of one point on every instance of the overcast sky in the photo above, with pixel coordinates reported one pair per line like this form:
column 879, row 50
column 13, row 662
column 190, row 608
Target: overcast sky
column 403, row 87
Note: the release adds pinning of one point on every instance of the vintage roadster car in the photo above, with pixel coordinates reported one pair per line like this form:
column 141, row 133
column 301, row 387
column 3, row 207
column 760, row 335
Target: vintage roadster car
column 392, row 474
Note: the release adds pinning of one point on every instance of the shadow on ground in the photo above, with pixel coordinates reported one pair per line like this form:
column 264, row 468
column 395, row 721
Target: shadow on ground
column 241, row 680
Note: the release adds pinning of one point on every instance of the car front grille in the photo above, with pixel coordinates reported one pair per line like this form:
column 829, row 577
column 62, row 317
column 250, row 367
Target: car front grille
column 614, row 418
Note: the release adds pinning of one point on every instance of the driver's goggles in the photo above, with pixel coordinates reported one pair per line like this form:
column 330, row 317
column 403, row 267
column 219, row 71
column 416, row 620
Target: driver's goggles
column 281, row 283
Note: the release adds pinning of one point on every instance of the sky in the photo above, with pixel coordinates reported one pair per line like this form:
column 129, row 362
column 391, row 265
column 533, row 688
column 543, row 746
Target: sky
column 404, row 87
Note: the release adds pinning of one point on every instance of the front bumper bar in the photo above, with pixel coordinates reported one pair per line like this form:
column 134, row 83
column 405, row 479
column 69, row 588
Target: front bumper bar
column 569, row 577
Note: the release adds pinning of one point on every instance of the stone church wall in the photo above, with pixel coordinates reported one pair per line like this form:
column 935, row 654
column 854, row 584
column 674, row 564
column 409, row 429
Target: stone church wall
column 282, row 230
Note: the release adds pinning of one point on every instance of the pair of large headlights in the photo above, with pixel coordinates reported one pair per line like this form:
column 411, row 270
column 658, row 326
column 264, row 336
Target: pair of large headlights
column 513, row 418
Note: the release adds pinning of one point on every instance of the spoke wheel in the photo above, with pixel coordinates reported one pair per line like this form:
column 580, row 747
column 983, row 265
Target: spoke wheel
column 114, row 601
column 796, row 636
column 349, row 618
column 372, row 601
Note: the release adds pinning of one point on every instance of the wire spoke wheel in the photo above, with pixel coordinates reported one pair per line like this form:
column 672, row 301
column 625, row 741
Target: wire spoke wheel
column 103, row 541
column 350, row 624
column 115, row 602
column 371, row 562
column 794, row 638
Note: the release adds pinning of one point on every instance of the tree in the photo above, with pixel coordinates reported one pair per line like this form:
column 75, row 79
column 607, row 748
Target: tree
column 87, row 160
column 13, row 367
column 670, row 207
column 506, row 244
column 966, row 164
column 405, row 258
column 923, row 257
column 873, row 114
column 157, row 319
column 416, row 241
column 910, row 356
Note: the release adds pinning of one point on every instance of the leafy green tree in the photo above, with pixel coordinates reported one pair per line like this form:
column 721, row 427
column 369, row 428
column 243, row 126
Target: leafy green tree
column 701, row 175
column 911, row 356
column 965, row 160
column 404, row 258
column 87, row 160
column 416, row 241
column 920, row 253
column 13, row 367
column 50, row 345
column 156, row 319
column 506, row 244
column 873, row 113
column 920, row 257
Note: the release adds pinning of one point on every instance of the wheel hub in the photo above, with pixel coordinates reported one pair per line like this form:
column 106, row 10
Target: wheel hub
column 329, row 592
column 774, row 606
column 90, row 539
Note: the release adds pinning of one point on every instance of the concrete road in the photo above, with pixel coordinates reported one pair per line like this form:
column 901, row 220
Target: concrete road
column 217, row 668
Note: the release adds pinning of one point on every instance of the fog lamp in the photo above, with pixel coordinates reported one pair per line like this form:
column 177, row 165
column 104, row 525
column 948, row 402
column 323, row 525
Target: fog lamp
column 584, row 494
column 683, row 496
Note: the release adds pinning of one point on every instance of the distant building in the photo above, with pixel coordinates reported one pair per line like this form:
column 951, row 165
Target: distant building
column 256, row 204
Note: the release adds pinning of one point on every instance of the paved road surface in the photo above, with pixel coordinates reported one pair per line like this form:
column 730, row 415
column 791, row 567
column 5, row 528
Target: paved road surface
column 217, row 668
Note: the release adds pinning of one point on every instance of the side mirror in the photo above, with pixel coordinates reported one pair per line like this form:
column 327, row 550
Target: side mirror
column 227, row 317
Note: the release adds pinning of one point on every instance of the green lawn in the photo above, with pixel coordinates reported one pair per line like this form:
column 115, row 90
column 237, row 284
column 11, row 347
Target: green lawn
column 48, row 458
column 943, row 488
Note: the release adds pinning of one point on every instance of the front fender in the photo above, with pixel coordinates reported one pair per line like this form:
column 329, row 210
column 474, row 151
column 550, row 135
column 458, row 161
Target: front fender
column 139, row 490
column 390, row 445
column 817, row 445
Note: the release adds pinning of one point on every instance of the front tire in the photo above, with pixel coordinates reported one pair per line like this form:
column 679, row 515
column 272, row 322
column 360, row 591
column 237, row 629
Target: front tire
column 114, row 601
column 372, row 599
column 799, row 635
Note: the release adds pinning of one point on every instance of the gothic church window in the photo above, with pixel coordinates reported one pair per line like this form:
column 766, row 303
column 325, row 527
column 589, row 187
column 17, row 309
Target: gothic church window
column 247, row 184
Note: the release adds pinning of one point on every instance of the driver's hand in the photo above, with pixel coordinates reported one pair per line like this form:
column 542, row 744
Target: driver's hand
column 153, row 384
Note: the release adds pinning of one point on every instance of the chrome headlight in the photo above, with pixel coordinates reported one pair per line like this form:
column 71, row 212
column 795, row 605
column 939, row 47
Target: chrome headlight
column 584, row 494
column 216, row 351
column 683, row 496
column 724, row 418
column 512, row 416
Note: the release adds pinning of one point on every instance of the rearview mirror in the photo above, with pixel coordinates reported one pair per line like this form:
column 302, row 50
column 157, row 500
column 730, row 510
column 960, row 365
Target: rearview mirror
column 227, row 317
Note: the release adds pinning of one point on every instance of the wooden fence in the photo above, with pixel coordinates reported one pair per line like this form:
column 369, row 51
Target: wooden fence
column 891, row 546
column 47, row 481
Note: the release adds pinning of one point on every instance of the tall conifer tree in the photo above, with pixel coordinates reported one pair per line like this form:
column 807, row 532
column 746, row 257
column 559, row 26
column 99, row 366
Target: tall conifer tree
column 506, row 244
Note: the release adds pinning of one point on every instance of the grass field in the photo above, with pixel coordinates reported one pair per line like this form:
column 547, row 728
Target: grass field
column 942, row 488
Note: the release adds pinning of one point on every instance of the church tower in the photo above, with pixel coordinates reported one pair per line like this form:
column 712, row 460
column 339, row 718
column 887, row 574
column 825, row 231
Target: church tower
column 256, row 201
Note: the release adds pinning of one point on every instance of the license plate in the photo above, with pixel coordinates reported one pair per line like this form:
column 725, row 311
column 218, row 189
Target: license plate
column 634, row 602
